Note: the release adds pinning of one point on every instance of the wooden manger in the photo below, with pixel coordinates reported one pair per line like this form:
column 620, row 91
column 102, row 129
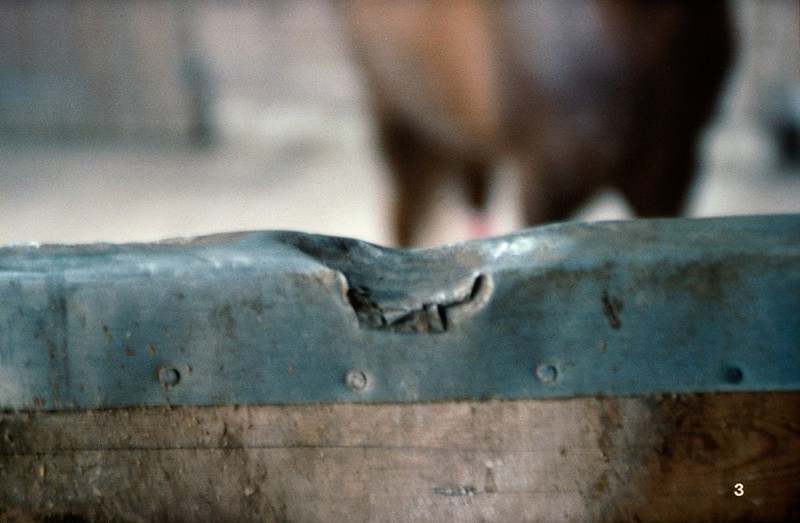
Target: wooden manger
column 645, row 370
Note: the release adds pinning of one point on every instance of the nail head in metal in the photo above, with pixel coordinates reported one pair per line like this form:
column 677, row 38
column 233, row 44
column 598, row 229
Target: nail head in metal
column 168, row 376
column 356, row 380
column 734, row 375
column 547, row 373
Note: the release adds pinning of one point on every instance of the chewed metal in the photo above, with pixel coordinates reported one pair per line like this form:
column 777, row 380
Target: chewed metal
column 615, row 308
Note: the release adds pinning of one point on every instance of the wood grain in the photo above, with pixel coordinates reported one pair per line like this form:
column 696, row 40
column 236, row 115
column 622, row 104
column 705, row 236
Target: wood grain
column 672, row 458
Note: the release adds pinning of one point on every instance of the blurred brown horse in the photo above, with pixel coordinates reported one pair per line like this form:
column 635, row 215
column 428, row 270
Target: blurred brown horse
column 579, row 94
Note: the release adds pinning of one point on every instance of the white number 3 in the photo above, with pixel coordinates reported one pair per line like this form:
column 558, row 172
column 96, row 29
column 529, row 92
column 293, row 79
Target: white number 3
column 738, row 490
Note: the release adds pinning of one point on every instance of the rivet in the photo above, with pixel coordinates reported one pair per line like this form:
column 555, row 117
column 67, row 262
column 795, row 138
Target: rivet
column 734, row 375
column 168, row 376
column 547, row 373
column 356, row 380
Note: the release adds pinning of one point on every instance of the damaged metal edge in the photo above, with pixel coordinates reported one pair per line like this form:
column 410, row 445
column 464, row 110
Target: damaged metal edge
column 617, row 308
column 429, row 315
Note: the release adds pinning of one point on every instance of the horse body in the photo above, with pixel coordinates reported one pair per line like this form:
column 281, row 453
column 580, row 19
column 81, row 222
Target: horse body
column 579, row 95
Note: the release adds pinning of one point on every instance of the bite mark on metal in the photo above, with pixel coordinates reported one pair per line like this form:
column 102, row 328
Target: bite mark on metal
column 403, row 291
column 427, row 317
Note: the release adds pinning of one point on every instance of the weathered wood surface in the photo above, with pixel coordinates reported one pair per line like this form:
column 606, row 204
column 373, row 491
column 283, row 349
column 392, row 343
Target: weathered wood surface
column 650, row 458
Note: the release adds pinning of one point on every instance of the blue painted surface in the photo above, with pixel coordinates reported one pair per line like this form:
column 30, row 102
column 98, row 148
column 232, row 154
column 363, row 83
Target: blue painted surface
column 618, row 308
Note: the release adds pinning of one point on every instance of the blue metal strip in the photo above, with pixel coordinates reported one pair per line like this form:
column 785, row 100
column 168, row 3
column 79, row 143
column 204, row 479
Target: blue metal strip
column 617, row 308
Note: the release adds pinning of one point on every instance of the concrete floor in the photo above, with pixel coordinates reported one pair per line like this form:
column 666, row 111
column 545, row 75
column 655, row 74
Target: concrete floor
column 119, row 192
column 295, row 152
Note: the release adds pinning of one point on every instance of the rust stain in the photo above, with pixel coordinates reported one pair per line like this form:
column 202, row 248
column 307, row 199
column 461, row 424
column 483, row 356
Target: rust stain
column 612, row 306
column 108, row 334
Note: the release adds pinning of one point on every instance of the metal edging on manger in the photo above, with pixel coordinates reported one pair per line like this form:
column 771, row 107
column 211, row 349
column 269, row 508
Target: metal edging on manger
column 574, row 309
